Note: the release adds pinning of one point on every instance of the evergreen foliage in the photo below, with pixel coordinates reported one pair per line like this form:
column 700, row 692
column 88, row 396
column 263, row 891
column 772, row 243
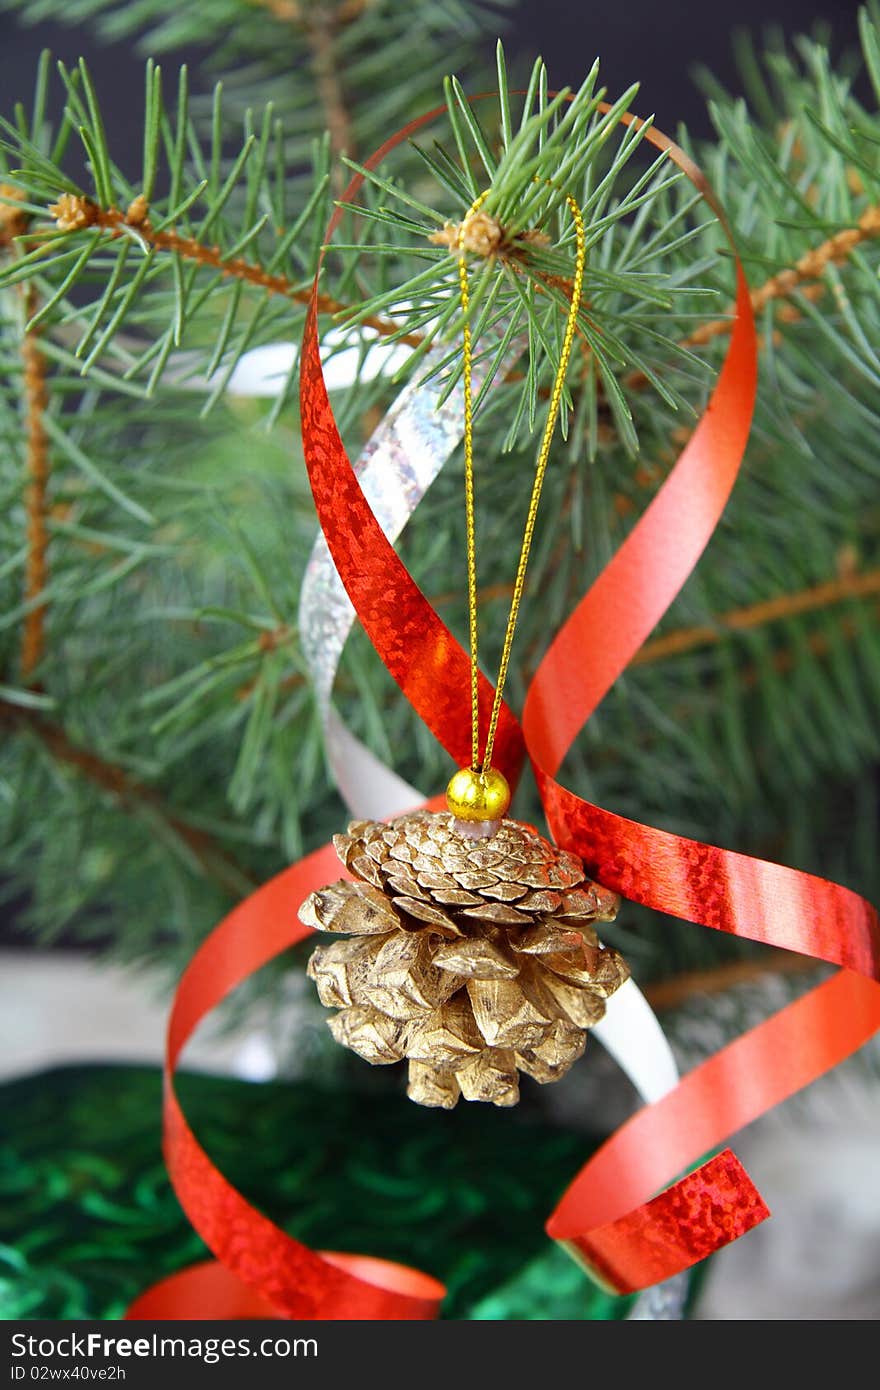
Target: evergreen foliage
column 161, row 746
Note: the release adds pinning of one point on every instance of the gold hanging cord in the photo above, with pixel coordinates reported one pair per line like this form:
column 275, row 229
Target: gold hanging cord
column 478, row 764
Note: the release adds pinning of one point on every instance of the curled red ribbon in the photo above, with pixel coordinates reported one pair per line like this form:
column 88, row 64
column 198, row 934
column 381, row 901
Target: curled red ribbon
column 627, row 1215
column 262, row 1272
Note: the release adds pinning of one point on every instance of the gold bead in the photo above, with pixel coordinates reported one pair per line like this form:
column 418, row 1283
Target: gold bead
column 478, row 796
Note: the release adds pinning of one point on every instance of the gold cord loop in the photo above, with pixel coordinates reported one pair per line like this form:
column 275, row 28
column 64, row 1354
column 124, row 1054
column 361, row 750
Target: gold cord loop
column 482, row 765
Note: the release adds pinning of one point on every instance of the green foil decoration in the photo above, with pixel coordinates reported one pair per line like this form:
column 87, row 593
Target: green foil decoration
column 88, row 1218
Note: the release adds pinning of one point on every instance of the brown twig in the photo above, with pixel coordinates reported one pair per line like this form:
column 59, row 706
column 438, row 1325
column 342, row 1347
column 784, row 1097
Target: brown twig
column 291, row 12
column 485, row 236
column 13, row 225
column 285, row 11
column 810, row 268
column 319, row 23
column 36, row 494
column 75, row 213
column 13, row 221
column 127, row 792
column 270, row 641
column 319, row 29
column 758, row 614
column 817, row 643
column 669, row 994
column 686, row 639
column 811, row 600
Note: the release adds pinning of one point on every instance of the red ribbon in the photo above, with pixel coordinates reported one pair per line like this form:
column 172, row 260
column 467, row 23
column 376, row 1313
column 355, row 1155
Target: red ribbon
column 610, row 1217
column 263, row 1272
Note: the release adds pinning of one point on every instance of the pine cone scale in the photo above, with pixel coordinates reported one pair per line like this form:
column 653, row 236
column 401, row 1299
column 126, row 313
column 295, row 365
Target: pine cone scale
column 475, row 960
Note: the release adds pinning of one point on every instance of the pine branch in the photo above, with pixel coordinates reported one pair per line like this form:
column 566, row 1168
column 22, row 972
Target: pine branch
column 129, row 794
column 524, row 249
column 178, row 543
column 784, row 283
column 525, row 243
column 264, row 53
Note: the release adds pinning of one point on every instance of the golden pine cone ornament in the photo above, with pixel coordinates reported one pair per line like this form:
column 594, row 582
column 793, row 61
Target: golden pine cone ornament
column 475, row 960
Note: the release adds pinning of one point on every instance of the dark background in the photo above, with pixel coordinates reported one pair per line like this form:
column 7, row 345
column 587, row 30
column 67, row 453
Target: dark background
column 656, row 42
column 660, row 43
